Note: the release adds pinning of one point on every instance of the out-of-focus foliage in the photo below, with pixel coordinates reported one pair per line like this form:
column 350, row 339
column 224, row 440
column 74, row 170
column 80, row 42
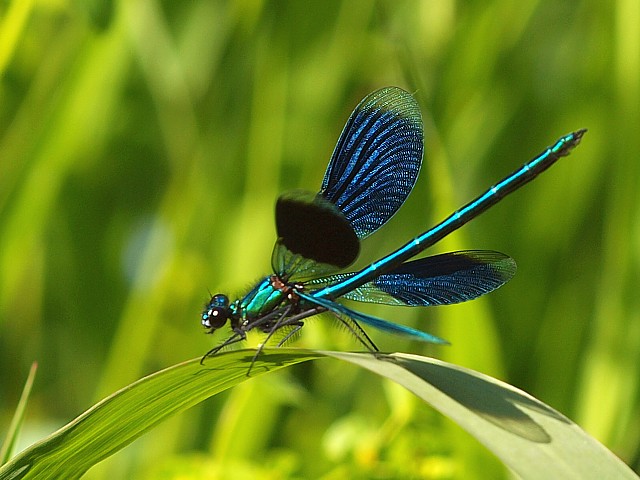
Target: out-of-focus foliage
column 142, row 147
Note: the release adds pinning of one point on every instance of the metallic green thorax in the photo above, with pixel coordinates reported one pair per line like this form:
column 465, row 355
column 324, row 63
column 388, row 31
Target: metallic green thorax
column 265, row 297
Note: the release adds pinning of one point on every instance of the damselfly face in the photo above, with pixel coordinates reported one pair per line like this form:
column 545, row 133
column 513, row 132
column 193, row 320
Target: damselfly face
column 216, row 312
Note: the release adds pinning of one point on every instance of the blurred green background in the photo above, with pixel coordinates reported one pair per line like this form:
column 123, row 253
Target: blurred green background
column 142, row 147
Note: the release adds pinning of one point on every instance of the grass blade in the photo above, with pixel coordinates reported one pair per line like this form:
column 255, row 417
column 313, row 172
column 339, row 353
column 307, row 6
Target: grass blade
column 530, row 437
column 16, row 422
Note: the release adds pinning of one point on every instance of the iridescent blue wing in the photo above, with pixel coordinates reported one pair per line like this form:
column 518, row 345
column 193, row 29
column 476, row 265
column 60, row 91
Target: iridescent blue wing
column 351, row 315
column 311, row 230
column 372, row 170
column 377, row 159
column 438, row 280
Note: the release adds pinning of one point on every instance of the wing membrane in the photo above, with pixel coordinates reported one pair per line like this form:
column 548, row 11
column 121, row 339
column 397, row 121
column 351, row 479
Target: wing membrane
column 311, row 226
column 437, row 280
column 377, row 159
column 351, row 315
column 293, row 267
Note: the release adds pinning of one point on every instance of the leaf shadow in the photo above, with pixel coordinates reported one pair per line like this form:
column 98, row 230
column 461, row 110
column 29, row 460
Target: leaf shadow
column 495, row 403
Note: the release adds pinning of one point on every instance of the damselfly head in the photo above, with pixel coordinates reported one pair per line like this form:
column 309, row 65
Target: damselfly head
column 216, row 312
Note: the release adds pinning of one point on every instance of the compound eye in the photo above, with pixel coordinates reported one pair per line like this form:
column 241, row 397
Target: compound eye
column 216, row 312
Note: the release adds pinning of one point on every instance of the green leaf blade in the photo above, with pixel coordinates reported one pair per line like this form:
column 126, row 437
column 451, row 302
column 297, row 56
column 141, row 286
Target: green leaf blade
column 531, row 438
column 18, row 417
column 116, row 421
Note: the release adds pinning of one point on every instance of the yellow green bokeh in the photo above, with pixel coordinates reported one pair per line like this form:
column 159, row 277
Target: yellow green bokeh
column 143, row 145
